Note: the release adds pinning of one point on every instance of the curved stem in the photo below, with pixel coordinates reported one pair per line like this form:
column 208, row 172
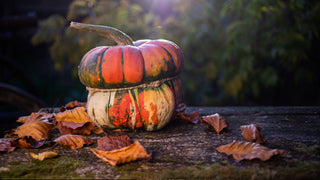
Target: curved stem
column 111, row 33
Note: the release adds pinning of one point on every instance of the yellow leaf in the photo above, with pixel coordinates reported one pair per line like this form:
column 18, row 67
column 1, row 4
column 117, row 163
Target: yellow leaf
column 127, row 154
column 44, row 155
column 76, row 115
column 73, row 141
column 38, row 130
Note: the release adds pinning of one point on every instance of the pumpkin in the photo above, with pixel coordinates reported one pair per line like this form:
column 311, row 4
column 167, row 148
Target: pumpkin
column 133, row 85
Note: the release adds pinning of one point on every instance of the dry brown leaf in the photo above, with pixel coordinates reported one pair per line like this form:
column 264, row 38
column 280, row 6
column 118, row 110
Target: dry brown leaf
column 76, row 115
column 72, row 105
column 249, row 150
column 190, row 117
column 252, row 133
column 127, row 154
column 216, row 121
column 97, row 130
column 44, row 155
column 27, row 142
column 181, row 108
column 6, row 145
column 74, row 121
column 8, row 133
column 109, row 143
column 37, row 130
column 35, row 117
column 75, row 128
column 73, row 141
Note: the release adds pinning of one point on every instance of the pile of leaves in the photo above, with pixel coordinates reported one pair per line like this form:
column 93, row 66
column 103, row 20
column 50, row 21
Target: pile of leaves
column 73, row 124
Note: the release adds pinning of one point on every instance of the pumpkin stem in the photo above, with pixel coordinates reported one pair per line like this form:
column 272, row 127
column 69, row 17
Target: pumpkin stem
column 111, row 33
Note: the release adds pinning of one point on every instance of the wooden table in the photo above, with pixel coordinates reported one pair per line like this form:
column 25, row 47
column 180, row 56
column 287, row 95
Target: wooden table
column 185, row 150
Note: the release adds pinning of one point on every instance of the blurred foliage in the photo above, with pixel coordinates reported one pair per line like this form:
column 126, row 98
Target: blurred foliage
column 244, row 52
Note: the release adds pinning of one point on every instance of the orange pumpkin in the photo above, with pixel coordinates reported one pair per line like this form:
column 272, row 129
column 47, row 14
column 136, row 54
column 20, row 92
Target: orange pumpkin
column 133, row 85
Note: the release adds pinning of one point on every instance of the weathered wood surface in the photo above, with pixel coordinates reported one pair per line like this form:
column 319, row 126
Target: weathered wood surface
column 182, row 144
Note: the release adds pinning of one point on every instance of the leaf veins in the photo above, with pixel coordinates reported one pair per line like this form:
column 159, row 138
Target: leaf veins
column 248, row 150
column 215, row 121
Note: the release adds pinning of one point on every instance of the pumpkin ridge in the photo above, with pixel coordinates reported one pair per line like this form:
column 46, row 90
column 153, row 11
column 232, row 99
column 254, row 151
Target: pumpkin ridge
column 163, row 92
column 132, row 122
column 99, row 62
column 122, row 64
column 173, row 66
column 102, row 80
column 170, row 84
column 107, row 107
column 144, row 69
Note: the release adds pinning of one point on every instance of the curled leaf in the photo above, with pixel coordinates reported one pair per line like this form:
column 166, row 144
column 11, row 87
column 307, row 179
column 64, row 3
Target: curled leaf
column 191, row 117
column 75, row 128
column 181, row 108
column 74, row 121
column 27, row 142
column 44, row 155
column 37, row 130
column 216, row 121
column 252, row 133
column 109, row 143
column 248, row 150
column 73, row 141
column 8, row 133
column 6, row 145
column 97, row 130
column 76, row 115
column 35, row 117
column 72, row 105
column 127, row 154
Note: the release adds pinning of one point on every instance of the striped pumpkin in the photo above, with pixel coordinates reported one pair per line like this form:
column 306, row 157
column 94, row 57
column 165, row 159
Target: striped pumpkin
column 133, row 85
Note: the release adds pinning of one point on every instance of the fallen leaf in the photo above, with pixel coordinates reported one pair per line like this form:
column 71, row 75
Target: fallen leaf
column 74, row 121
column 8, row 133
column 44, row 155
column 181, row 108
column 37, row 130
column 35, row 117
column 97, row 130
column 76, row 115
column 72, row 105
column 216, row 121
column 27, row 142
column 190, row 117
column 75, row 128
column 248, row 150
column 73, row 141
column 252, row 133
column 127, row 154
column 109, row 143
column 6, row 145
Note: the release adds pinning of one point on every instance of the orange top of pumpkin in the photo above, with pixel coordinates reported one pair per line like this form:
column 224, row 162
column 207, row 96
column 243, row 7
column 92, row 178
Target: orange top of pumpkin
column 140, row 62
